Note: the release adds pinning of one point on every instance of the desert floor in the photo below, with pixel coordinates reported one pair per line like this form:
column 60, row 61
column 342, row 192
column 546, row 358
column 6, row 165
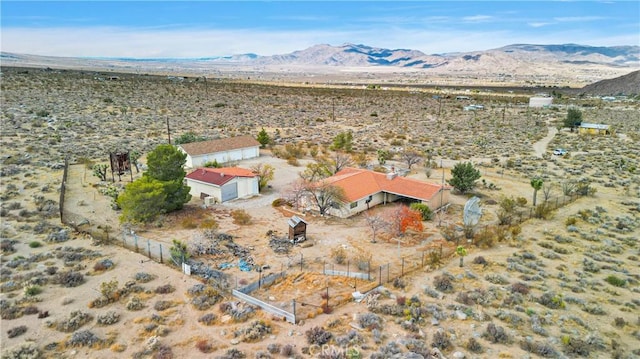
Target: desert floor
column 542, row 288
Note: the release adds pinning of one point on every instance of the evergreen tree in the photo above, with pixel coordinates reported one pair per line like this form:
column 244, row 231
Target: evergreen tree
column 464, row 176
column 263, row 138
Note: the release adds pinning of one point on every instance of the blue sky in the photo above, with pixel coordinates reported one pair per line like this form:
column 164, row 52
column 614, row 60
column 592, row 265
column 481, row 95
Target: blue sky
column 215, row 28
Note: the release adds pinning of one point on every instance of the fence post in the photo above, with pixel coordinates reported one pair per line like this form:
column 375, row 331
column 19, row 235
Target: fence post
column 135, row 239
column 369, row 270
column 293, row 304
column 402, row 269
column 149, row 248
column 422, row 260
column 347, row 269
column 388, row 272
column 160, row 252
column 301, row 259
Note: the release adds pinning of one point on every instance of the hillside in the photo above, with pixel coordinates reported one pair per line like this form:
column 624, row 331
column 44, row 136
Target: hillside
column 624, row 85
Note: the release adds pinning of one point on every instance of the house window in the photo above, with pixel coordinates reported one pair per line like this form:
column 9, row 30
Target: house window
column 353, row 205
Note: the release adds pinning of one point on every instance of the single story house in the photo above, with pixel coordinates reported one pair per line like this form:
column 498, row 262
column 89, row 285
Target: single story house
column 364, row 189
column 593, row 129
column 221, row 150
column 222, row 184
column 540, row 101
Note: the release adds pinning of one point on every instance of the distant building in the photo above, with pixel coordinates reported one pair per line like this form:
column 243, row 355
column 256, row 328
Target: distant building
column 222, row 150
column 593, row 129
column 540, row 101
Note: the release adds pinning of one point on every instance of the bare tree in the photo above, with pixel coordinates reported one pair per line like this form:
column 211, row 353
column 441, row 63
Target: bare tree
column 338, row 161
column 546, row 191
column 296, row 193
column 376, row 223
column 410, row 157
column 325, row 196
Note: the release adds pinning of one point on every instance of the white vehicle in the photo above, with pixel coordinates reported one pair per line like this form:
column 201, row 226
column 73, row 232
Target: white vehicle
column 559, row 152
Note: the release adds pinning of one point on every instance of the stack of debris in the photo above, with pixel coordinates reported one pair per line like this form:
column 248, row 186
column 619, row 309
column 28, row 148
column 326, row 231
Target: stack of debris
column 280, row 245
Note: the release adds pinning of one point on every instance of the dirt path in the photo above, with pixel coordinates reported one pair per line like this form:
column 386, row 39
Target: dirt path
column 540, row 147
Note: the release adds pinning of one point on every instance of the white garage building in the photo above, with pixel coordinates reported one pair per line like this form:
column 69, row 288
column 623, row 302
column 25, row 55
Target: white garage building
column 222, row 184
column 221, row 150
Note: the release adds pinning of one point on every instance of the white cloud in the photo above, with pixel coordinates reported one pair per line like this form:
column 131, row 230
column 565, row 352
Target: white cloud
column 477, row 18
column 578, row 18
column 539, row 24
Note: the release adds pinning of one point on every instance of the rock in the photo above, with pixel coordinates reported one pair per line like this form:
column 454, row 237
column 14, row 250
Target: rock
column 234, row 341
column 460, row 315
column 434, row 321
column 458, row 355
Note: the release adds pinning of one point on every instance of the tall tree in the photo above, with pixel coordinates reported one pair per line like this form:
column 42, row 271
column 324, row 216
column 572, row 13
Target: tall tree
column 537, row 184
column 165, row 170
column 573, row 119
column 343, row 141
column 263, row 138
column 165, row 163
column 464, row 176
column 140, row 199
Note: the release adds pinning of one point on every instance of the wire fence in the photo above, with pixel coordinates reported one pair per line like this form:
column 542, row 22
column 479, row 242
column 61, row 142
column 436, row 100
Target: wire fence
column 366, row 275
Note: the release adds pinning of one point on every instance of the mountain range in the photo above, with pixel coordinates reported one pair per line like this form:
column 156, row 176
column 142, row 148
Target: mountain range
column 361, row 55
column 546, row 65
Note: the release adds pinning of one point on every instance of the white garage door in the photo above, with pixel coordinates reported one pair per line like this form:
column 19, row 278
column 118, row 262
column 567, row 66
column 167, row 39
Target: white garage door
column 229, row 191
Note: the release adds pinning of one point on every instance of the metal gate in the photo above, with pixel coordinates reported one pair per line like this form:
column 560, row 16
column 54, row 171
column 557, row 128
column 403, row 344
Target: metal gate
column 229, row 191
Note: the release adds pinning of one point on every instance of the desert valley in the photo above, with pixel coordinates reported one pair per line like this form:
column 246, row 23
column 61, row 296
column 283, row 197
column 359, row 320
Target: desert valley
column 551, row 269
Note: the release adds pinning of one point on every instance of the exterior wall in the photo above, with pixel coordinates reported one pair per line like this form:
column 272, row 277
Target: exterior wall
column 198, row 187
column 591, row 131
column 346, row 211
column 540, row 101
column 223, row 157
column 438, row 200
column 247, row 186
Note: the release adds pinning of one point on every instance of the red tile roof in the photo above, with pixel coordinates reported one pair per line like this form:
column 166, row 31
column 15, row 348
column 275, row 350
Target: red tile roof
column 219, row 176
column 220, row 145
column 359, row 183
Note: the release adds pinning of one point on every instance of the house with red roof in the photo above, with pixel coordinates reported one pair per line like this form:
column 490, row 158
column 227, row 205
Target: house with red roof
column 222, row 184
column 222, row 150
column 364, row 189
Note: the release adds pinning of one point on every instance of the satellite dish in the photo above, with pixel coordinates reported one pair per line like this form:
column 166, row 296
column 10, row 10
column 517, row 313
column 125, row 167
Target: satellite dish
column 472, row 212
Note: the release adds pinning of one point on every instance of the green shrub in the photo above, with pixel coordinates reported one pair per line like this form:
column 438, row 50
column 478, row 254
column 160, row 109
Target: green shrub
column 35, row 244
column 425, row 211
column 615, row 281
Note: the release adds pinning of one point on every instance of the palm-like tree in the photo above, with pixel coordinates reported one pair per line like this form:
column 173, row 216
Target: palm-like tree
column 461, row 252
column 536, row 183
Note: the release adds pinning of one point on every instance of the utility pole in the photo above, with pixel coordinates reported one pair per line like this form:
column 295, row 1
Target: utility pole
column 441, row 197
column 168, row 130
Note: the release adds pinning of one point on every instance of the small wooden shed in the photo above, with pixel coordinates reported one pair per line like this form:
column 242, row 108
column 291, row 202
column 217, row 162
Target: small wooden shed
column 297, row 229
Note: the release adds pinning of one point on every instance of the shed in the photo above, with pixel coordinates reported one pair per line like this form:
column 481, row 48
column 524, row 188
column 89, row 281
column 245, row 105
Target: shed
column 297, row 229
column 593, row 129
